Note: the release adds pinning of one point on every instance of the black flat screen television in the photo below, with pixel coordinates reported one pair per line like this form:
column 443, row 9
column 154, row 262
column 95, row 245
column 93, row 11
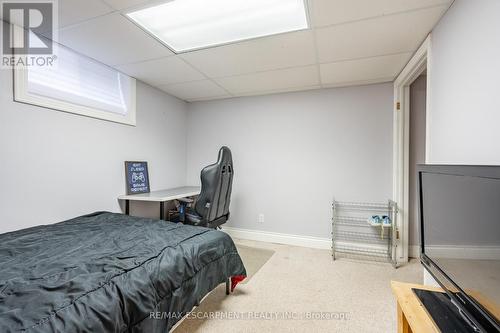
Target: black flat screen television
column 460, row 238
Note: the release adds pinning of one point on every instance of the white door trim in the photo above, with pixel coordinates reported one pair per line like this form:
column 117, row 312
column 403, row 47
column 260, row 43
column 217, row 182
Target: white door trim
column 401, row 140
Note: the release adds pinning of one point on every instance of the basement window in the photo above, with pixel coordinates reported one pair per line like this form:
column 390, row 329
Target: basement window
column 186, row 25
column 78, row 84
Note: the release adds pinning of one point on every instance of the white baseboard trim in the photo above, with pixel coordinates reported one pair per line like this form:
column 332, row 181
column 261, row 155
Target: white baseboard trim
column 466, row 252
column 274, row 237
column 459, row 252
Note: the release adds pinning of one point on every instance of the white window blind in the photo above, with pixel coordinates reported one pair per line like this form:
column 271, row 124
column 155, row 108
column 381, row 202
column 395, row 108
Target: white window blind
column 79, row 84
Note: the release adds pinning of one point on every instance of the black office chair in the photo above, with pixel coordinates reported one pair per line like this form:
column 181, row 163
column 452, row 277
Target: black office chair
column 212, row 206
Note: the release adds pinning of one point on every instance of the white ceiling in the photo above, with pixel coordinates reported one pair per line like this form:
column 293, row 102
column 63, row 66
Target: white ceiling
column 350, row 42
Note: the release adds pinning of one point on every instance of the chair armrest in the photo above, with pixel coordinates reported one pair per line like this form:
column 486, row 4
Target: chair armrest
column 206, row 216
column 183, row 204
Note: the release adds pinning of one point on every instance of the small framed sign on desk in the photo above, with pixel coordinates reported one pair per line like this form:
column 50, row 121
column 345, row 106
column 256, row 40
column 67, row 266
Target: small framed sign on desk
column 137, row 177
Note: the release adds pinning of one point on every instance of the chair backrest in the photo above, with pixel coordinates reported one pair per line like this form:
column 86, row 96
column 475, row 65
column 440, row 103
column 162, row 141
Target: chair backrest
column 216, row 185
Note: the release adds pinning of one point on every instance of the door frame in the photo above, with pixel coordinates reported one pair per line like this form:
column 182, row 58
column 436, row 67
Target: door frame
column 401, row 140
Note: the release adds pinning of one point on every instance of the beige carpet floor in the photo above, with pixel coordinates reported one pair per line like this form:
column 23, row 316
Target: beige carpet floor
column 253, row 258
column 302, row 290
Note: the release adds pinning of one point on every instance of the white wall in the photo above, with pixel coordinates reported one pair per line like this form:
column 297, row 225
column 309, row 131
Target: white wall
column 55, row 165
column 464, row 114
column 293, row 152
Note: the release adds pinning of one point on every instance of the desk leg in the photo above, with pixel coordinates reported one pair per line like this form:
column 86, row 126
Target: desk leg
column 162, row 210
column 127, row 207
column 403, row 326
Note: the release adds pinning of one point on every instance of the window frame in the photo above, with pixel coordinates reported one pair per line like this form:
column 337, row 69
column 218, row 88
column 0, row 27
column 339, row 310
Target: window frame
column 21, row 95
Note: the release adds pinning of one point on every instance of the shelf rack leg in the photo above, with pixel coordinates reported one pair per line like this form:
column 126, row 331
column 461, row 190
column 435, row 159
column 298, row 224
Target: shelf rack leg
column 333, row 229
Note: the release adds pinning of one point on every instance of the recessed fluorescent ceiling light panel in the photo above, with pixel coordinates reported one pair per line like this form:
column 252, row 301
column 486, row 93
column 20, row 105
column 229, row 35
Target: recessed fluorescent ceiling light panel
column 186, row 25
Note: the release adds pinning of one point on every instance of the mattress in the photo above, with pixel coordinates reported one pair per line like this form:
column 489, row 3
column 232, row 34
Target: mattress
column 107, row 272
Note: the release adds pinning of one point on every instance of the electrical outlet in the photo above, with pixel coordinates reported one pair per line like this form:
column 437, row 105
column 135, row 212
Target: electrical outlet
column 261, row 218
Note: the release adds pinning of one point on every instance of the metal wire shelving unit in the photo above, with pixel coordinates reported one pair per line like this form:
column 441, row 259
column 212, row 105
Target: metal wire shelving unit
column 354, row 237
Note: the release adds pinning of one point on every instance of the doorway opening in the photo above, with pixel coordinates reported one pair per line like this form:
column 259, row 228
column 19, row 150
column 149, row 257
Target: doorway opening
column 418, row 110
column 411, row 105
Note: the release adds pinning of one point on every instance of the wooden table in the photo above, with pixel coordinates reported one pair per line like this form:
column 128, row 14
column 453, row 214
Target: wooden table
column 161, row 196
column 412, row 315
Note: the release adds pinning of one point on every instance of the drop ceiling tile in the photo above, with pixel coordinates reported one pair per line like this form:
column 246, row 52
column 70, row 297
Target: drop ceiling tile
column 75, row 11
column 271, row 80
column 113, row 40
column 380, row 36
column 328, row 12
column 363, row 70
column 208, row 98
column 197, row 90
column 162, row 71
column 274, row 52
column 278, row 91
column 122, row 4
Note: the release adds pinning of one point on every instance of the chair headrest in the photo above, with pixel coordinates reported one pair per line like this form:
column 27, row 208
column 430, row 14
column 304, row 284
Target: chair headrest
column 225, row 156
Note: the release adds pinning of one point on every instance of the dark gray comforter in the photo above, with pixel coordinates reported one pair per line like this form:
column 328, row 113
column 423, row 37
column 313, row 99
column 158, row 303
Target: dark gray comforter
column 108, row 272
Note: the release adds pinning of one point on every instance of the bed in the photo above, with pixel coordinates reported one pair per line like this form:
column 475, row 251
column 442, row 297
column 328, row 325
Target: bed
column 107, row 272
